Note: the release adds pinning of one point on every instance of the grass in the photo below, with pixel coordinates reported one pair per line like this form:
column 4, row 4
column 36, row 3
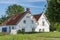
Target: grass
column 33, row 36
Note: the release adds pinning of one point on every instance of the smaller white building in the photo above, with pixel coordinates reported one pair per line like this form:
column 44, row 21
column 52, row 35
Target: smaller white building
column 27, row 22
column 43, row 24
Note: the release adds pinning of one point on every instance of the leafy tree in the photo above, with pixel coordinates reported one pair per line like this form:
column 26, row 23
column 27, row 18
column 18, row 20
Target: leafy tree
column 3, row 18
column 14, row 9
column 53, row 13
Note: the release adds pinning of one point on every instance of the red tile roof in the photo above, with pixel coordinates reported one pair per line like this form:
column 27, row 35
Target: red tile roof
column 37, row 16
column 13, row 19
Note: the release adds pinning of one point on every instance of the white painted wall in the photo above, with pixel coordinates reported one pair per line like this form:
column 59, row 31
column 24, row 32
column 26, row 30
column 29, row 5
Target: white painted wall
column 28, row 25
column 0, row 29
column 40, row 27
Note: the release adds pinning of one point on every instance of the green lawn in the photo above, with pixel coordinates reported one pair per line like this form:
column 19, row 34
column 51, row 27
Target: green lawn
column 36, row 36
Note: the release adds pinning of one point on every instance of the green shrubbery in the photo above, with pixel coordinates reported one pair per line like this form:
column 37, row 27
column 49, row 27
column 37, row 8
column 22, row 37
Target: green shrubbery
column 3, row 33
column 23, row 32
column 19, row 31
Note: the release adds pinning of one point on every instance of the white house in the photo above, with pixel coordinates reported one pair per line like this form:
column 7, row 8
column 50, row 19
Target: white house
column 43, row 24
column 27, row 22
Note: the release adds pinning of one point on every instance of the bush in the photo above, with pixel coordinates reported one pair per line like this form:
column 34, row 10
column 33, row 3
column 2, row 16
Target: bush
column 19, row 31
column 3, row 33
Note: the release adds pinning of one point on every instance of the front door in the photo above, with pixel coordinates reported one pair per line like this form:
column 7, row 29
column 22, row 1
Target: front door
column 4, row 29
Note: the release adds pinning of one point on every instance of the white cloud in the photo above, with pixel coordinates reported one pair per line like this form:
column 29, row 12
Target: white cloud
column 14, row 1
column 34, row 0
column 29, row 5
column 21, row 3
column 7, row 1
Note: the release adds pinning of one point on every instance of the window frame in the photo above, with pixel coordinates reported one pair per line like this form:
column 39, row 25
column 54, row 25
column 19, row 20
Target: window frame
column 23, row 29
column 13, row 27
column 43, row 23
column 32, row 21
column 24, row 21
column 27, row 16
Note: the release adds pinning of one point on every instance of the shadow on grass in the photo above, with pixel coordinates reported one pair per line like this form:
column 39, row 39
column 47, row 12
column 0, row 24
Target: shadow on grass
column 30, row 32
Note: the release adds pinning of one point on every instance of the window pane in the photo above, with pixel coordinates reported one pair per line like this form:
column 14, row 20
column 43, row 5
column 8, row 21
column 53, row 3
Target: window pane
column 43, row 23
column 24, row 21
column 23, row 30
column 33, row 29
column 12, row 27
column 32, row 21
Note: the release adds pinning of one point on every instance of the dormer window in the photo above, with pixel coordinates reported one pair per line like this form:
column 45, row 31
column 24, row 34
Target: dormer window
column 24, row 21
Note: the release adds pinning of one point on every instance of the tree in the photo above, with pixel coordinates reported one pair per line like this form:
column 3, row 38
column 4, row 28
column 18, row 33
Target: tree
column 3, row 18
column 53, row 13
column 14, row 9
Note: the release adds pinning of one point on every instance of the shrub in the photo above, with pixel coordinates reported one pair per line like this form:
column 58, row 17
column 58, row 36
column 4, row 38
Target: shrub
column 19, row 31
column 3, row 33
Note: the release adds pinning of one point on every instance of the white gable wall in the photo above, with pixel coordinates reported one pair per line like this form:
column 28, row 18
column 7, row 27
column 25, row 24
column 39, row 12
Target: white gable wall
column 40, row 27
column 28, row 25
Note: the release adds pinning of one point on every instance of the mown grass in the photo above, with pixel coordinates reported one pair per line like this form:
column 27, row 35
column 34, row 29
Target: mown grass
column 33, row 36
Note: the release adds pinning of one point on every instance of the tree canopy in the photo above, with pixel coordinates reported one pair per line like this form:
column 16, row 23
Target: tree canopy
column 14, row 9
column 54, row 10
column 53, row 13
column 3, row 18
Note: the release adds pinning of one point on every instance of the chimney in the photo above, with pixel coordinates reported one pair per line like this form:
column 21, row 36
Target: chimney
column 27, row 9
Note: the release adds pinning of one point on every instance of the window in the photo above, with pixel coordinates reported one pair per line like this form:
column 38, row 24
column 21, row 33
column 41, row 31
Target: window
column 24, row 21
column 33, row 29
column 28, row 16
column 12, row 27
column 32, row 21
column 9, row 29
column 4, row 29
column 43, row 23
column 23, row 30
column 39, row 30
column 43, row 30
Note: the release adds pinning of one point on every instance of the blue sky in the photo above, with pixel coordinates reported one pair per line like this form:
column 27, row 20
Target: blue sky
column 36, row 6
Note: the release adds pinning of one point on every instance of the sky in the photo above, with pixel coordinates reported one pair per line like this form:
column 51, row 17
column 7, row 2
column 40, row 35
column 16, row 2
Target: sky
column 36, row 6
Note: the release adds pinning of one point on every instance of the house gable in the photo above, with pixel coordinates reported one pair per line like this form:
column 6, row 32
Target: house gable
column 43, row 18
column 12, row 20
column 43, row 24
column 27, row 22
